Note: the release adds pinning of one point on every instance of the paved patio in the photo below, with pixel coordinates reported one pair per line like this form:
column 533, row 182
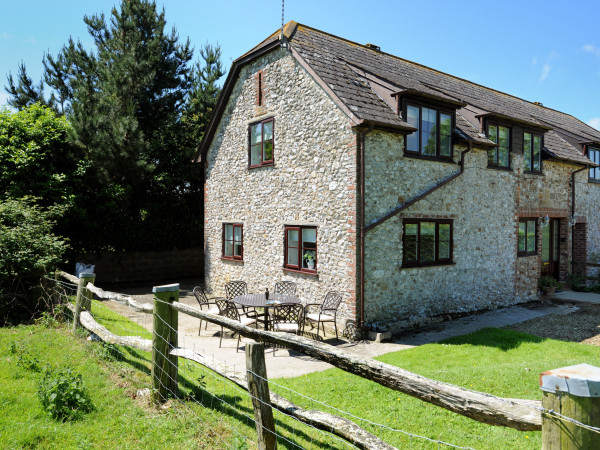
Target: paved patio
column 291, row 364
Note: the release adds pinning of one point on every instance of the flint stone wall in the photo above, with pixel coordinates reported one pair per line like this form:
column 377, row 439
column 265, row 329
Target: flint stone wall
column 311, row 183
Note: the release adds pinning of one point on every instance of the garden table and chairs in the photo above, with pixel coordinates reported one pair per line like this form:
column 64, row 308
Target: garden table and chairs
column 261, row 301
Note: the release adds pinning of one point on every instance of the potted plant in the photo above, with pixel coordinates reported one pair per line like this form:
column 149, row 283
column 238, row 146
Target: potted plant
column 549, row 285
column 309, row 257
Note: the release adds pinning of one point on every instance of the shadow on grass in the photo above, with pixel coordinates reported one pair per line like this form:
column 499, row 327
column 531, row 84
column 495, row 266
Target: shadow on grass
column 494, row 337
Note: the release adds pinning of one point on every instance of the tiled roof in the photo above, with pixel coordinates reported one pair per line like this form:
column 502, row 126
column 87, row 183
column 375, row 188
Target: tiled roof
column 361, row 77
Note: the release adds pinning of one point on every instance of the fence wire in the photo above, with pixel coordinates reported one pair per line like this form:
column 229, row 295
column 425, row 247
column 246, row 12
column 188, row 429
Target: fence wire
column 204, row 391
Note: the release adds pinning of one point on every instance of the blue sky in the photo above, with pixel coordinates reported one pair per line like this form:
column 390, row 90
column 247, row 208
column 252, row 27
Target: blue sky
column 546, row 51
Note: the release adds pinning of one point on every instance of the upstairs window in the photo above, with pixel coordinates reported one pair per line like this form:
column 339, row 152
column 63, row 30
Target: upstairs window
column 261, row 143
column 532, row 152
column 594, row 156
column 499, row 157
column 434, row 132
column 233, row 243
column 527, row 237
column 426, row 242
column 301, row 248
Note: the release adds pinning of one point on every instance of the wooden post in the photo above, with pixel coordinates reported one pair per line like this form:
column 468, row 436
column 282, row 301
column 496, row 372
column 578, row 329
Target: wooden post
column 82, row 300
column 258, row 387
column 573, row 392
column 164, row 338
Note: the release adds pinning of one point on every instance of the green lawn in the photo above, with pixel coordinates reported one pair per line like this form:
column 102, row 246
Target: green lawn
column 217, row 415
column 500, row 362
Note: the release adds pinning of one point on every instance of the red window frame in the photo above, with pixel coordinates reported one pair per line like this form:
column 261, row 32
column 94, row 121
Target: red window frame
column 263, row 161
column 224, row 241
column 301, row 249
column 437, row 260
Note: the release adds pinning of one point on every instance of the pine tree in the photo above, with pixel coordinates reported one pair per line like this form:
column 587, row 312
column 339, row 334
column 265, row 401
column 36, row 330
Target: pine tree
column 24, row 92
column 137, row 111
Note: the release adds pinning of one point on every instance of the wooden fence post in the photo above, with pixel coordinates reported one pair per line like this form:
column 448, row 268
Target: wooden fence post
column 82, row 300
column 573, row 392
column 258, row 387
column 164, row 338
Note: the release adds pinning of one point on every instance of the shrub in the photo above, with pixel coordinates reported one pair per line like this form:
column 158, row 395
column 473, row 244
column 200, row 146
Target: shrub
column 63, row 395
column 28, row 250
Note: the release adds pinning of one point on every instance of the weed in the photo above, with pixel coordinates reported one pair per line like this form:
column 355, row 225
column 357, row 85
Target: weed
column 47, row 320
column 239, row 443
column 63, row 395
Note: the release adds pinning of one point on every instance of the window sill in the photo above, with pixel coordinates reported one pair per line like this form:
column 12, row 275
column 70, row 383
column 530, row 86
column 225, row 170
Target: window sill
column 238, row 260
column 532, row 172
column 258, row 166
column 527, row 254
column 594, row 180
column 312, row 273
column 433, row 264
column 442, row 159
column 505, row 169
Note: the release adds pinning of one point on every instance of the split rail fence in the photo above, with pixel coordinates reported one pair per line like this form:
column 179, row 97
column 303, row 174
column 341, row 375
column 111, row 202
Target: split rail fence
column 579, row 429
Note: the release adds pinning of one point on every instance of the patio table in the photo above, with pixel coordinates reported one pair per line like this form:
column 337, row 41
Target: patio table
column 260, row 301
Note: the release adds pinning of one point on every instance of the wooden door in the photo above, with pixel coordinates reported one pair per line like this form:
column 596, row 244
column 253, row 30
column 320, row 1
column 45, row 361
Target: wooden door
column 550, row 248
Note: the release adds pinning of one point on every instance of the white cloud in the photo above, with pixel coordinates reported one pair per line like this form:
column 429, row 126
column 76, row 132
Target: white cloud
column 595, row 123
column 6, row 36
column 533, row 61
column 545, row 72
column 591, row 49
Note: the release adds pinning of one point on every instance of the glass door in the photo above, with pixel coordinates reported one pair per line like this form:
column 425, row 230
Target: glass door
column 550, row 248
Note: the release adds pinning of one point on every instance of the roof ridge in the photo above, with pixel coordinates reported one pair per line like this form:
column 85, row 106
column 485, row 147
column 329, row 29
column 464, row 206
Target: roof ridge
column 537, row 104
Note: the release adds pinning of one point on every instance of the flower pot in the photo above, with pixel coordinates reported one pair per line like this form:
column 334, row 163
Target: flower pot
column 310, row 264
column 549, row 290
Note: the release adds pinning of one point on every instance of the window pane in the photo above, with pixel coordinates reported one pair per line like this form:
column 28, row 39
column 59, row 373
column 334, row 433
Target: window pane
column 546, row 244
column 522, row 234
column 268, row 130
column 412, row 117
column 237, row 236
column 445, row 135
column 493, row 134
column 268, row 156
column 427, row 241
column 228, row 244
column 531, row 236
column 556, row 241
column 255, row 156
column 292, row 247
column 537, row 153
column 428, row 131
column 410, row 242
column 309, row 237
column 492, row 155
column 527, row 151
column 256, row 133
column 444, row 241
column 503, row 148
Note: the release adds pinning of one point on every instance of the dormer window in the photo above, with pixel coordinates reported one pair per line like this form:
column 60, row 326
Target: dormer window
column 594, row 156
column 499, row 156
column 532, row 152
column 433, row 137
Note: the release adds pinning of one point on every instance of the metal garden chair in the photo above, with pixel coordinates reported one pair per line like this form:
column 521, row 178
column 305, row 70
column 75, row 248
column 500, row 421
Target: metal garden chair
column 229, row 309
column 327, row 312
column 205, row 302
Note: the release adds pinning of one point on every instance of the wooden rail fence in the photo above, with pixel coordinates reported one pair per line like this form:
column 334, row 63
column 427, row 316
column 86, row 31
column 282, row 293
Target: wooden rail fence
column 520, row 414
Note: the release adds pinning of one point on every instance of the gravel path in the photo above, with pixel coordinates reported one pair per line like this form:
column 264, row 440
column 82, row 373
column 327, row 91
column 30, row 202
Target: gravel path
column 582, row 325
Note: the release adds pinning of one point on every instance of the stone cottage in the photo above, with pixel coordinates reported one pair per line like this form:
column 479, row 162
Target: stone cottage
column 416, row 193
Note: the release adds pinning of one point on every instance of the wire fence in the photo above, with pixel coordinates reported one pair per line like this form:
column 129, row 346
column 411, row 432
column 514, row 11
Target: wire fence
column 222, row 405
